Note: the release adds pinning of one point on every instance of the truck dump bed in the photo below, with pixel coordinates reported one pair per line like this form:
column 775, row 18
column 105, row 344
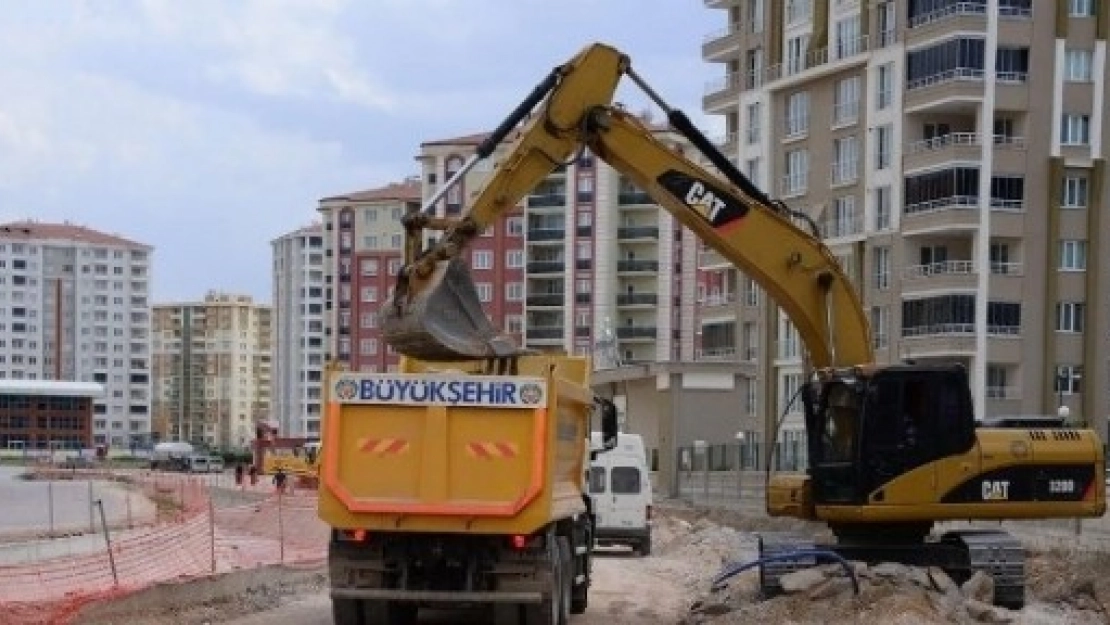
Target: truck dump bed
column 444, row 448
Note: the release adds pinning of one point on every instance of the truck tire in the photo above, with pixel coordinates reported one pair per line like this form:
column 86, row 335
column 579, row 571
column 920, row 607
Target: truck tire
column 388, row 613
column 346, row 611
column 549, row 611
column 566, row 565
column 645, row 546
column 580, row 593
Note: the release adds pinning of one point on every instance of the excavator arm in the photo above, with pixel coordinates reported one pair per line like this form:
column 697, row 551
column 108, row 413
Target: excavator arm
column 435, row 315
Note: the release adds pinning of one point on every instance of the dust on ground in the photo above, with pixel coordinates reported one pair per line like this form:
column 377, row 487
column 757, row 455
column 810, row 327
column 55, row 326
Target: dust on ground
column 671, row 587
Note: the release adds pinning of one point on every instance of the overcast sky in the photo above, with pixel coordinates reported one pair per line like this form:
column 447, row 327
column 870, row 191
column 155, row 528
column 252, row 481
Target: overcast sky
column 208, row 127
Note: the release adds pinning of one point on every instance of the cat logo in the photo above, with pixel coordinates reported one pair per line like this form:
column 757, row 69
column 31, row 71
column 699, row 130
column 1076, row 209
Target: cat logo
column 713, row 204
column 996, row 490
column 700, row 197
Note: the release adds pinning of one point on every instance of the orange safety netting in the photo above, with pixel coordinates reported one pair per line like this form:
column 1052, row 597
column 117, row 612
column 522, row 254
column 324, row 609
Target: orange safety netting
column 192, row 534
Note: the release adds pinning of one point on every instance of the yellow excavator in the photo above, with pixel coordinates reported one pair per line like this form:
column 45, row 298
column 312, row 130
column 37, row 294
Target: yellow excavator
column 892, row 449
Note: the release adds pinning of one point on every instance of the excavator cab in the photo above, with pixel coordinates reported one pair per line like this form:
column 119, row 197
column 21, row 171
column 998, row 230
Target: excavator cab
column 870, row 429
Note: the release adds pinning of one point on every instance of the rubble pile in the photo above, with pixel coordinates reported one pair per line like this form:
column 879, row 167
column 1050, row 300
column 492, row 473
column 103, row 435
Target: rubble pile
column 692, row 552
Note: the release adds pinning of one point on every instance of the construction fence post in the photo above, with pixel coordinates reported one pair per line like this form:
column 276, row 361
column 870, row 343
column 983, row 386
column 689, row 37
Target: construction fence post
column 50, row 504
column 108, row 542
column 92, row 511
column 212, row 530
column 281, row 529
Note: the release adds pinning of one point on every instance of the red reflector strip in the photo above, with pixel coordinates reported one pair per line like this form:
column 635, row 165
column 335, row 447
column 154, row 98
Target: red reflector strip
column 519, row 542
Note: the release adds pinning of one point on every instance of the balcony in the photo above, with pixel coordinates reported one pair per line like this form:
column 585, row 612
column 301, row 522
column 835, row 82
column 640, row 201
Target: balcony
column 848, row 226
column 635, row 198
column 818, row 62
column 952, row 90
column 717, row 354
column 637, row 266
column 632, row 300
column 635, row 332
column 949, row 274
column 721, row 44
column 638, row 232
column 722, row 93
column 536, row 235
column 546, row 300
column 547, row 266
column 545, row 332
column 962, row 16
column 549, row 200
column 957, row 212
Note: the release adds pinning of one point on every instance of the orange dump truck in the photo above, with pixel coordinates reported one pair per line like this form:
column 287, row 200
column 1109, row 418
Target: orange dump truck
column 449, row 487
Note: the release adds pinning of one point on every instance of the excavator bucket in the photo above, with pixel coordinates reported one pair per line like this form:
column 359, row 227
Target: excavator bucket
column 440, row 318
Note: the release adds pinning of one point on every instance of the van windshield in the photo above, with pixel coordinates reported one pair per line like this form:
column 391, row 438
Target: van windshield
column 626, row 480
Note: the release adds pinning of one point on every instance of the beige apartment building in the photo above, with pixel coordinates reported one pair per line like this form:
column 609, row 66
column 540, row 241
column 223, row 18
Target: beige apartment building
column 952, row 156
column 212, row 363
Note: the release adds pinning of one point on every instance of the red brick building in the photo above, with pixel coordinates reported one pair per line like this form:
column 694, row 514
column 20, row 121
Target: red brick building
column 41, row 414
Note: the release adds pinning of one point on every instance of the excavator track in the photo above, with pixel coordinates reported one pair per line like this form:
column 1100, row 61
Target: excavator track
column 959, row 553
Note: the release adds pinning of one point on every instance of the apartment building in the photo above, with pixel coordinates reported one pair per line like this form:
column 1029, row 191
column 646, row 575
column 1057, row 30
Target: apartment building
column 585, row 253
column 363, row 242
column 298, row 330
column 212, row 366
column 951, row 154
column 74, row 307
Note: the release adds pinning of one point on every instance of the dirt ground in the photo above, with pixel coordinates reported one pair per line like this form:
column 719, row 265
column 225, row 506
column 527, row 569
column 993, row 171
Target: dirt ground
column 691, row 547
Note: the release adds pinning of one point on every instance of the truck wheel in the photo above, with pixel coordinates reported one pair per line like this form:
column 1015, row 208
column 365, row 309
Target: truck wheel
column 388, row 613
column 645, row 547
column 346, row 611
column 566, row 565
column 580, row 593
column 550, row 609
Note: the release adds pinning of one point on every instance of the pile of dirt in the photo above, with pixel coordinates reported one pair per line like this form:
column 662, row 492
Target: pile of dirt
column 693, row 547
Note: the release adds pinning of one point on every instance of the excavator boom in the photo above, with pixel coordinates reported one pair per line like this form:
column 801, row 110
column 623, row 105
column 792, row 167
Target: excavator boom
column 432, row 313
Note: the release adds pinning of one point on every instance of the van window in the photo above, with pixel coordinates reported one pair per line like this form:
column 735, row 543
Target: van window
column 626, row 480
column 597, row 479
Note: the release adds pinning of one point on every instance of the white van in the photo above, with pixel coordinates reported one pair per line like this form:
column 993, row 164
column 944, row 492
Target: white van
column 620, row 488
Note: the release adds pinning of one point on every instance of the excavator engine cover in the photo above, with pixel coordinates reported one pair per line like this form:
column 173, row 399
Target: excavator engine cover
column 442, row 319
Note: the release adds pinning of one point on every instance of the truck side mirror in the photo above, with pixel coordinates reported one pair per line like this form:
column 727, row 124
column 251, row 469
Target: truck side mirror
column 609, row 424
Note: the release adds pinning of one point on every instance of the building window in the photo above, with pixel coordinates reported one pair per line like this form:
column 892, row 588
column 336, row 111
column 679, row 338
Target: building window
column 1069, row 379
column 485, row 292
column 369, row 267
column 884, row 95
column 882, row 208
column 514, row 324
column 798, row 10
column 514, row 259
column 369, row 294
column 482, row 259
column 755, row 117
column 796, row 48
column 1069, row 317
column 846, row 105
column 1074, row 192
column 368, row 320
column 1081, row 8
column 514, row 291
column 880, row 330
column 797, row 114
column 1075, row 129
column 848, row 40
column 515, row 226
column 1077, row 65
column 1073, row 255
column 880, row 269
column 368, row 347
column 884, row 140
column 796, row 179
column 845, row 160
column 843, row 218
column 954, row 59
column 755, row 16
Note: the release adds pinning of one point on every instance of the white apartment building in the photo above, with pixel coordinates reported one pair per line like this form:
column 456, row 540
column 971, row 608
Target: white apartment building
column 298, row 330
column 74, row 307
